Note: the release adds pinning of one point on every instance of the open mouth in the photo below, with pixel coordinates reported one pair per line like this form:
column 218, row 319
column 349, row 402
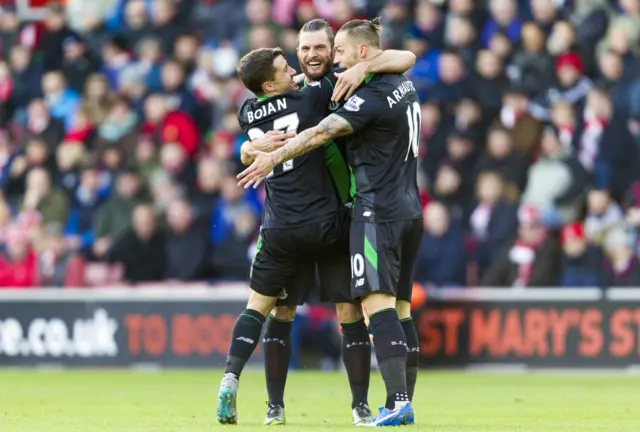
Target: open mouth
column 314, row 64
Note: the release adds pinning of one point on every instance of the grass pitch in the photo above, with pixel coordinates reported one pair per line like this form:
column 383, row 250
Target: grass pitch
column 97, row 401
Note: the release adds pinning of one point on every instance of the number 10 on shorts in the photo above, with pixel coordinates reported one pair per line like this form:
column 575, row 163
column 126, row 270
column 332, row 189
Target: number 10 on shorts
column 357, row 269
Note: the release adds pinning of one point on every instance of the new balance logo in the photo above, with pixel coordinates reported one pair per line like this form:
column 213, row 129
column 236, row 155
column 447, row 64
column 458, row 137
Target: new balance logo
column 395, row 343
column 333, row 105
column 245, row 339
column 359, row 282
column 416, row 349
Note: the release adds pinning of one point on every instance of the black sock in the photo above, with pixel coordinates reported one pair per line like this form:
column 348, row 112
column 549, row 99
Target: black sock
column 391, row 351
column 244, row 339
column 356, row 355
column 413, row 353
column 277, row 354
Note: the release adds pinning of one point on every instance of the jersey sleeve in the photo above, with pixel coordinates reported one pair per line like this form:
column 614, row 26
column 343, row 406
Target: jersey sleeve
column 361, row 109
column 242, row 116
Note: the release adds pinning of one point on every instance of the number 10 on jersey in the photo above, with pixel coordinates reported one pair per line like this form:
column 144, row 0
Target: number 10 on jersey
column 414, row 117
column 288, row 123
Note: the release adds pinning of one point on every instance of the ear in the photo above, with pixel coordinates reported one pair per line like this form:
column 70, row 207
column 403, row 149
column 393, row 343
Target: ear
column 364, row 50
column 267, row 86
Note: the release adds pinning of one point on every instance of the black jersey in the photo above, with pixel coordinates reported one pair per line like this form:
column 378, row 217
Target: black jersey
column 385, row 116
column 300, row 191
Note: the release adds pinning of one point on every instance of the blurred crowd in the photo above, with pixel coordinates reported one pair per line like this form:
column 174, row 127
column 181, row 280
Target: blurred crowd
column 119, row 141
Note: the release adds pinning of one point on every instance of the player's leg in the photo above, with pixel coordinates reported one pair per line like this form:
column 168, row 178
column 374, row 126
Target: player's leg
column 375, row 269
column 356, row 356
column 335, row 286
column 277, row 355
column 411, row 244
column 244, row 339
column 269, row 273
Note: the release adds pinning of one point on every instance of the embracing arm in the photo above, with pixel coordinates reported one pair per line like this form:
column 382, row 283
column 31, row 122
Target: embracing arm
column 390, row 61
column 246, row 150
column 267, row 143
column 331, row 127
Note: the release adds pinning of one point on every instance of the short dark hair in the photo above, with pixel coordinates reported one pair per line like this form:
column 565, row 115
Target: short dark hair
column 317, row 25
column 256, row 68
column 366, row 30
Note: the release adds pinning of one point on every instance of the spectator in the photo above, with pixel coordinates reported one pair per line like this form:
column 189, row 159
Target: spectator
column 84, row 209
column 448, row 190
column 146, row 160
column 177, row 96
column 36, row 154
column 564, row 119
column 97, row 100
column 454, row 84
column 149, row 64
column 164, row 191
column 621, row 267
column 40, row 124
column 6, row 87
column 69, row 157
column 572, row 86
column 135, row 22
column 461, row 37
column 532, row 67
column 27, row 75
column 18, row 262
column 170, row 127
column 78, row 63
column 164, row 26
column 500, row 156
column 556, row 183
column 51, row 202
column 83, row 130
column 582, row 261
column 441, row 258
column 233, row 226
column 524, row 129
column 114, row 216
column 118, row 128
column 9, row 28
column 532, row 260
column 561, row 40
column 606, row 147
column 544, row 14
column 52, row 44
column 603, row 215
column 207, row 191
column 493, row 221
column 175, row 162
column 491, row 83
column 141, row 249
column 61, row 100
column 611, row 67
column 187, row 246
column 115, row 59
column 503, row 17
column 186, row 52
column 57, row 265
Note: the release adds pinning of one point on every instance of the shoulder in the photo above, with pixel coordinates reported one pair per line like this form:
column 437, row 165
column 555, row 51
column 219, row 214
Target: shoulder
column 246, row 106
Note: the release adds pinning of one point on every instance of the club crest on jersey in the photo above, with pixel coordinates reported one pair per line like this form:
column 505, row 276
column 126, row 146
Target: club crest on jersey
column 334, row 105
column 353, row 104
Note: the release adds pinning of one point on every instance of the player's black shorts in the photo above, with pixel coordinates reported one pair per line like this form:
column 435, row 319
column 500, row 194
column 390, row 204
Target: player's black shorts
column 383, row 257
column 286, row 260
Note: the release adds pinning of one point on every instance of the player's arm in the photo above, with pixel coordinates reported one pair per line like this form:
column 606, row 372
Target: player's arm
column 388, row 61
column 331, row 127
column 271, row 141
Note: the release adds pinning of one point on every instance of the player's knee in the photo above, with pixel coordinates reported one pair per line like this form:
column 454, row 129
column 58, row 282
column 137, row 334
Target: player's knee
column 349, row 312
column 404, row 309
column 284, row 313
column 378, row 301
column 261, row 303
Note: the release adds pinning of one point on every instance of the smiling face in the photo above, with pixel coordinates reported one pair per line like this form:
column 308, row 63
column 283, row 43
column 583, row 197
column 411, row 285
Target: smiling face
column 265, row 72
column 315, row 54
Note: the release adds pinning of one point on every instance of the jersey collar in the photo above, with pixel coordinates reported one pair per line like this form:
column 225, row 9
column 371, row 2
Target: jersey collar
column 261, row 98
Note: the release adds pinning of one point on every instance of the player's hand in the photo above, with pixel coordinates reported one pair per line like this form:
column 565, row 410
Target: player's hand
column 271, row 141
column 299, row 79
column 260, row 168
column 348, row 82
